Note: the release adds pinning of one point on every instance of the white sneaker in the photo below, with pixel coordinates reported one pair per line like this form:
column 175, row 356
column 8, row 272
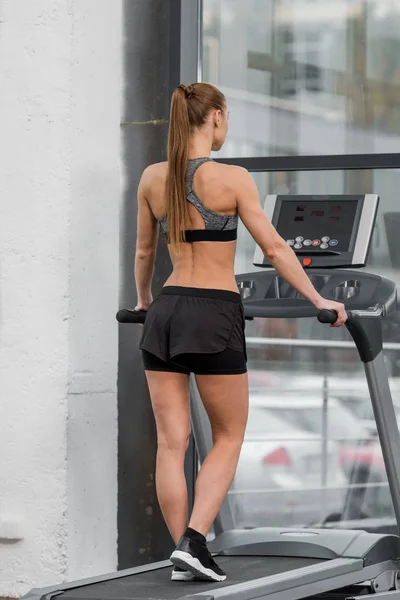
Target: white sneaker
column 179, row 574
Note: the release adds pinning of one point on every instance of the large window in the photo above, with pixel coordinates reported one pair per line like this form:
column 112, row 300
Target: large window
column 306, row 77
column 306, row 80
column 301, row 373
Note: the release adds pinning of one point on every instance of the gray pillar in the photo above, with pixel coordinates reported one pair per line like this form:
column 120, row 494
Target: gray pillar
column 151, row 72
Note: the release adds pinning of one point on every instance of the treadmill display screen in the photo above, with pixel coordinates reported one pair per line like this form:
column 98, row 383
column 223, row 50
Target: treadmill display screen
column 317, row 225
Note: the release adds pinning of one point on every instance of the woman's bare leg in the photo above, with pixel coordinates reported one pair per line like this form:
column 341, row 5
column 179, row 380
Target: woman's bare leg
column 170, row 400
column 226, row 399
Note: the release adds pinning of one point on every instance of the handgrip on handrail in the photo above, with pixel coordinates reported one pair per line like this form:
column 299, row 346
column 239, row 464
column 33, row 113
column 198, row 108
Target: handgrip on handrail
column 327, row 315
column 130, row 315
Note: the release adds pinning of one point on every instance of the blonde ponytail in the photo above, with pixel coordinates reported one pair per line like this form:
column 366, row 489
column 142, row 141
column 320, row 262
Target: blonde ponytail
column 178, row 153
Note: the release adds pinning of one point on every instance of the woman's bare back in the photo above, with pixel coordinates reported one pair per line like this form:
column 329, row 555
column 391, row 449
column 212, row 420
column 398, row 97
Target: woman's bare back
column 202, row 264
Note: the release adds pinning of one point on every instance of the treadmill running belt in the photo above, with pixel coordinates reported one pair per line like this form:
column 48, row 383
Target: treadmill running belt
column 157, row 584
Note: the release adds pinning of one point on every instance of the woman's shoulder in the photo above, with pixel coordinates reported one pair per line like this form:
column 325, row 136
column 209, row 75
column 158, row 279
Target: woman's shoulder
column 159, row 168
column 230, row 175
column 227, row 170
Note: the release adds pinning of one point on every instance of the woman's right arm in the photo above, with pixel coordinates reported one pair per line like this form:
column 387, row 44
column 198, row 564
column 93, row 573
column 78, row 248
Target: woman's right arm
column 274, row 248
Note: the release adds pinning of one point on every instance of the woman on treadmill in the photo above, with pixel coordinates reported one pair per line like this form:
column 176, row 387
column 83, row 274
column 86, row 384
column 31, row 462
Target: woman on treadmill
column 196, row 324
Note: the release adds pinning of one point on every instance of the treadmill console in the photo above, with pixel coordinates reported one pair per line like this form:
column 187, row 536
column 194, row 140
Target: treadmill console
column 324, row 231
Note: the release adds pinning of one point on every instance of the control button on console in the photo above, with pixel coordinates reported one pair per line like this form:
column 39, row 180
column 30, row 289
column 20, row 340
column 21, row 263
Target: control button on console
column 316, row 242
column 324, row 246
column 298, row 246
column 299, row 238
column 307, row 242
column 326, row 238
column 290, row 242
column 307, row 262
column 333, row 242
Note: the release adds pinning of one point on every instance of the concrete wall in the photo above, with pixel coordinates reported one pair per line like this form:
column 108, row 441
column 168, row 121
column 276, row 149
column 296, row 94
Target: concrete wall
column 60, row 82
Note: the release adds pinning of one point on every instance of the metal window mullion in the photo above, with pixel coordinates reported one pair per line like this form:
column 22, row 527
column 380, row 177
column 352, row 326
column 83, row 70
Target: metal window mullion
column 334, row 162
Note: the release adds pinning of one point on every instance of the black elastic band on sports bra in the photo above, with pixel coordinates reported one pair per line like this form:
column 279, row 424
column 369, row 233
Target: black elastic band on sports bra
column 209, row 235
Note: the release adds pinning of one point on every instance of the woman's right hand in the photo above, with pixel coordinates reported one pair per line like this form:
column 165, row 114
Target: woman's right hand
column 337, row 307
column 143, row 306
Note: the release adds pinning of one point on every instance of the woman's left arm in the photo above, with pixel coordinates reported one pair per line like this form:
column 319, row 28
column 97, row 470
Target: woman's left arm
column 146, row 245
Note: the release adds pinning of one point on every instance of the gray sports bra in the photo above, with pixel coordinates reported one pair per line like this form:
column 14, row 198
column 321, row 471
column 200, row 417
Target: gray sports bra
column 218, row 228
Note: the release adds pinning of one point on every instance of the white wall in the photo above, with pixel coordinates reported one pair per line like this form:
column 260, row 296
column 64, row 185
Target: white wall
column 95, row 195
column 60, row 82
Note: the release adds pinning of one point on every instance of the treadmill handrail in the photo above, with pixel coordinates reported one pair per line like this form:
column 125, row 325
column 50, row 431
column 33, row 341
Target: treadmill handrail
column 291, row 312
column 279, row 312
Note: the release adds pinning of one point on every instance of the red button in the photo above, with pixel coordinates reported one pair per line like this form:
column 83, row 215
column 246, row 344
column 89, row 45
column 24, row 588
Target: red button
column 307, row 262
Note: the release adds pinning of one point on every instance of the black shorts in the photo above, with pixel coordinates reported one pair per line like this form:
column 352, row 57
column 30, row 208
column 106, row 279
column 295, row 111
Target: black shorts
column 195, row 330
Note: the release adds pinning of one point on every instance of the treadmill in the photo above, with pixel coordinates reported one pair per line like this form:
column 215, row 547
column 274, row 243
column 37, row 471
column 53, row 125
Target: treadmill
column 329, row 234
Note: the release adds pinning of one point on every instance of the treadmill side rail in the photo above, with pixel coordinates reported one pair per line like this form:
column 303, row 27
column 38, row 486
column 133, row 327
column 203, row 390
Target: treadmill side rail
column 300, row 583
column 322, row 574
column 46, row 593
